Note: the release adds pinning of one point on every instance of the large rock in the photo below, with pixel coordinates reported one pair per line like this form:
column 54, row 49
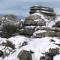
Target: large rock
column 1, row 53
column 11, row 20
column 35, row 19
column 9, row 25
column 47, row 34
column 57, row 24
column 43, row 9
column 26, row 31
column 25, row 55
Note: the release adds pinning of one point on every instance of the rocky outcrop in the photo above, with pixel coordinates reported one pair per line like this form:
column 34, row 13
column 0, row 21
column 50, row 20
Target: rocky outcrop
column 41, row 16
column 45, row 10
column 11, row 20
column 9, row 25
column 25, row 55
column 26, row 31
column 47, row 34
column 8, row 44
column 35, row 19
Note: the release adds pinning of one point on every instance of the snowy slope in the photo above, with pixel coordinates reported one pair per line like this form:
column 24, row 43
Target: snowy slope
column 18, row 40
column 37, row 45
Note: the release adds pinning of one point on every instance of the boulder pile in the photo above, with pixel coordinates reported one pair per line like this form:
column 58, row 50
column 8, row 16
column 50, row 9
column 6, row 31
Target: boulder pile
column 33, row 25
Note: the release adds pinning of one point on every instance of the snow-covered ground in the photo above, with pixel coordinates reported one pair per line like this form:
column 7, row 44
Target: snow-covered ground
column 37, row 45
column 57, row 57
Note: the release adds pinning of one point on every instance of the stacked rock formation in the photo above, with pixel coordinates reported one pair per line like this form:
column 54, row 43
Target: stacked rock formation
column 44, row 17
column 41, row 22
column 42, row 9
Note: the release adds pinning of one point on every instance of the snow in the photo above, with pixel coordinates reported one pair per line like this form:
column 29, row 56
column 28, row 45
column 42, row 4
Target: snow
column 46, row 12
column 57, row 19
column 36, row 55
column 30, row 27
column 39, row 31
column 57, row 57
column 39, row 14
column 37, row 20
column 50, row 23
column 37, row 45
column 40, row 44
column 2, row 40
column 18, row 40
column 0, row 58
column 13, row 56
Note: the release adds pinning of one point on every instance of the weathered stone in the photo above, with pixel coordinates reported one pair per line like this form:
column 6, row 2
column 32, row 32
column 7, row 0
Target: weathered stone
column 25, row 55
column 47, row 34
column 34, row 20
column 42, row 9
column 26, row 31
column 42, row 58
column 1, row 53
column 57, row 24
column 9, row 25
column 52, row 40
column 47, row 57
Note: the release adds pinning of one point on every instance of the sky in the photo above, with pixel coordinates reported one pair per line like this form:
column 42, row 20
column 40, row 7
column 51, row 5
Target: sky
column 22, row 7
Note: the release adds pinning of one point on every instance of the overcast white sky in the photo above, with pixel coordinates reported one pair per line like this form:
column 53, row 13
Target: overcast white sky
column 21, row 7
